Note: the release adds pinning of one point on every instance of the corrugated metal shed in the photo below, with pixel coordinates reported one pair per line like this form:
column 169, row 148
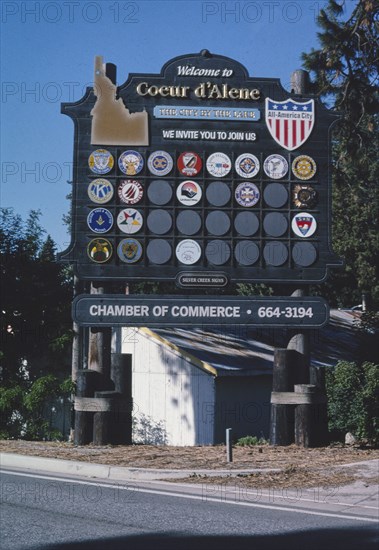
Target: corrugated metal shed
column 190, row 384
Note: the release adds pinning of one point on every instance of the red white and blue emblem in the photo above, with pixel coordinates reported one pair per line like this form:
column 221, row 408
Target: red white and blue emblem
column 290, row 122
column 303, row 224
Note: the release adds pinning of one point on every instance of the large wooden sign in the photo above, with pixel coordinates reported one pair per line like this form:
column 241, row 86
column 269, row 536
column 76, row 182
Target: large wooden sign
column 201, row 175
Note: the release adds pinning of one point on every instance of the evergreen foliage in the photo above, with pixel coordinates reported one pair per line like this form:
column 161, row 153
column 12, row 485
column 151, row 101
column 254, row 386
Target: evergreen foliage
column 35, row 326
column 23, row 408
column 344, row 70
column 35, row 300
column 353, row 400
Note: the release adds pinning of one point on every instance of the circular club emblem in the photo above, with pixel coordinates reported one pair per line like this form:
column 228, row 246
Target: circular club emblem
column 130, row 163
column 189, row 164
column 100, row 191
column 160, row 163
column 101, row 161
column 275, row 167
column 304, row 224
column 129, row 251
column 219, row 165
column 304, row 167
column 189, row 192
column 100, row 220
column 188, row 252
column 130, row 191
column 99, row 250
column 304, row 196
column 247, row 165
column 247, row 194
column 129, row 221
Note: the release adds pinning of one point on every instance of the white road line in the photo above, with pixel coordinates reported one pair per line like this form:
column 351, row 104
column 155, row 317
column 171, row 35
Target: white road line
column 300, row 499
column 193, row 497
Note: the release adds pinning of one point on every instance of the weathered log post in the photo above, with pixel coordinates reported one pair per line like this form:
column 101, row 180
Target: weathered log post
column 306, row 429
column 88, row 381
column 76, row 357
column 320, row 412
column 105, row 402
column 121, row 375
column 282, row 414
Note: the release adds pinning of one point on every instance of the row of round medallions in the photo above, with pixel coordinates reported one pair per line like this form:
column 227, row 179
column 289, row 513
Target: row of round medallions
column 189, row 252
column 189, row 222
column 189, row 193
column 189, row 164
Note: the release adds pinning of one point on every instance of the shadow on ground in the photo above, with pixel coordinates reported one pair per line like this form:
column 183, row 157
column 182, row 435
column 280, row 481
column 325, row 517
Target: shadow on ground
column 325, row 539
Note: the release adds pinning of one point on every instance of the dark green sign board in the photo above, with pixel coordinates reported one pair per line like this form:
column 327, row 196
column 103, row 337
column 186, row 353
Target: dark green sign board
column 200, row 170
column 155, row 311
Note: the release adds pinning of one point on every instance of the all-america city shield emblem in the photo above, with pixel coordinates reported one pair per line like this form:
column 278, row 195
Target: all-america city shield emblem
column 290, row 122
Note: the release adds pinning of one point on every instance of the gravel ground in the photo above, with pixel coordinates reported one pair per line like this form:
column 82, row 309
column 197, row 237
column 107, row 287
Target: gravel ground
column 299, row 467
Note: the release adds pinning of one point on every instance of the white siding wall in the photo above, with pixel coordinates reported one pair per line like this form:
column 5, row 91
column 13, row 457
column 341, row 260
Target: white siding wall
column 170, row 394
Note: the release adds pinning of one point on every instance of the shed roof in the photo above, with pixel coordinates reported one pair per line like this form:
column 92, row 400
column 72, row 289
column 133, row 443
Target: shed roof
column 241, row 351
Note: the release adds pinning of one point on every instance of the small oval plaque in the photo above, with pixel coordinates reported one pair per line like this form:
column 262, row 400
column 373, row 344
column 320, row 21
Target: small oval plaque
column 188, row 279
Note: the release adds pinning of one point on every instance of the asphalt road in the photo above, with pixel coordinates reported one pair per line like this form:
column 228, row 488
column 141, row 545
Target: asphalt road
column 54, row 511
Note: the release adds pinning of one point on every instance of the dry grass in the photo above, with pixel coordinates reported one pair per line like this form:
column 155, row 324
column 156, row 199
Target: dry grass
column 194, row 458
column 291, row 477
column 299, row 468
column 301, row 477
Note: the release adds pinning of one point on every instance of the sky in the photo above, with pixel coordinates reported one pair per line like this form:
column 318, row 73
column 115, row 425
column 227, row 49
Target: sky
column 47, row 56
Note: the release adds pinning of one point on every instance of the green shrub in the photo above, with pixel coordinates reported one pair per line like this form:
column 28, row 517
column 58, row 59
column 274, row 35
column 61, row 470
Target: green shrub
column 353, row 400
column 22, row 408
column 11, row 411
column 250, row 440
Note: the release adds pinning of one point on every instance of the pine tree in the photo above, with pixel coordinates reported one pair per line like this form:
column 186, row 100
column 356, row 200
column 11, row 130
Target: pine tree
column 344, row 71
column 35, row 298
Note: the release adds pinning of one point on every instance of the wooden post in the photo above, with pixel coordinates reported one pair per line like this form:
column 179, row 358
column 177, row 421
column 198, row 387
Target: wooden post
column 99, row 359
column 301, row 345
column 305, row 398
column 282, row 415
column 304, row 417
column 88, row 381
column 121, row 375
column 299, row 342
column 76, row 342
column 291, row 365
column 76, row 358
column 99, row 355
column 95, row 378
column 299, row 81
column 320, row 411
column 103, row 417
